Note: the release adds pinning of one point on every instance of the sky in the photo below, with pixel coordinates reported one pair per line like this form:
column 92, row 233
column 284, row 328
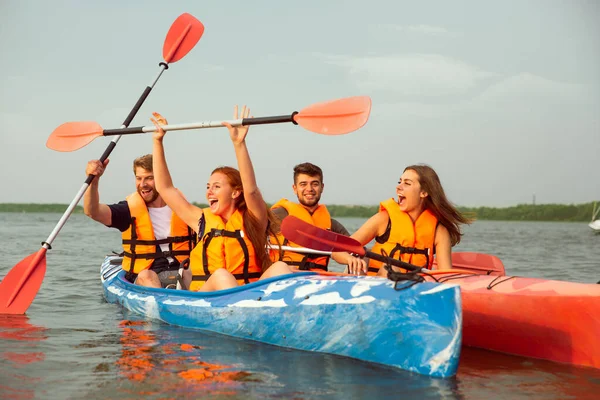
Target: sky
column 501, row 98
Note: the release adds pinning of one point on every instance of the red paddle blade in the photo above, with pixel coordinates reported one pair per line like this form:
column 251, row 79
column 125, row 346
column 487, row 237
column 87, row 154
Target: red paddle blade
column 335, row 117
column 20, row 286
column 183, row 35
column 307, row 235
column 72, row 136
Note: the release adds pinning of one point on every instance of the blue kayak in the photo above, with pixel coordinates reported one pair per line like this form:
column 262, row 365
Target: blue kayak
column 416, row 328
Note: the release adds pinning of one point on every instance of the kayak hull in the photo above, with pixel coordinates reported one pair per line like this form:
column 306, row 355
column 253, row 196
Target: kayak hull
column 546, row 319
column 417, row 328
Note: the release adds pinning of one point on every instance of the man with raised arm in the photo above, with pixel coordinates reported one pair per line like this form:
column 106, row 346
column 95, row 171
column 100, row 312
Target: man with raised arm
column 155, row 240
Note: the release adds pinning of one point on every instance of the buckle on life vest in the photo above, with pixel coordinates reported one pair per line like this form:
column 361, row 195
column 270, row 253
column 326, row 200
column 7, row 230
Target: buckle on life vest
column 217, row 232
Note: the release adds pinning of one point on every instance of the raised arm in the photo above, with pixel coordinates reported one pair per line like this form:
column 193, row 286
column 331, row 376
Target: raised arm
column 252, row 196
column 188, row 212
column 91, row 200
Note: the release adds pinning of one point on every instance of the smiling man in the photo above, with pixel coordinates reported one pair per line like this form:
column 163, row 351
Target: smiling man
column 155, row 240
column 308, row 186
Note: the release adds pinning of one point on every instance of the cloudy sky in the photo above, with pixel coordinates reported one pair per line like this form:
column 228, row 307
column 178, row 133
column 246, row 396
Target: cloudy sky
column 501, row 98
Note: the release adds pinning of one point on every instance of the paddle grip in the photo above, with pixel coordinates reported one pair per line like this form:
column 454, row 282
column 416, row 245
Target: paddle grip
column 392, row 261
column 278, row 119
column 123, row 131
column 104, row 156
column 137, row 106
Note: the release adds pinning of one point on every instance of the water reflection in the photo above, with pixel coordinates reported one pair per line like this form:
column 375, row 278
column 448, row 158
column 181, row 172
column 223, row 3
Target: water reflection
column 160, row 360
column 157, row 363
column 18, row 350
column 483, row 372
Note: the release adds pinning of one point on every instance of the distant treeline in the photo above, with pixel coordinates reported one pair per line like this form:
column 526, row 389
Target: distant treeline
column 530, row 212
column 521, row 212
column 37, row 208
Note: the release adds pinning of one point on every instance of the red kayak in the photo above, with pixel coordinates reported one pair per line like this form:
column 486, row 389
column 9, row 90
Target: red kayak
column 547, row 319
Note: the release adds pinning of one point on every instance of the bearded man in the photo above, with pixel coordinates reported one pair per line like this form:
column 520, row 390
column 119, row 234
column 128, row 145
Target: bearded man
column 155, row 240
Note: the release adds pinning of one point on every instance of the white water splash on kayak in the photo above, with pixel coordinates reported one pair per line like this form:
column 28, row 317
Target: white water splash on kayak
column 191, row 303
column 278, row 286
column 313, row 287
column 441, row 359
column 364, row 285
column 335, row 298
column 259, row 304
column 147, row 303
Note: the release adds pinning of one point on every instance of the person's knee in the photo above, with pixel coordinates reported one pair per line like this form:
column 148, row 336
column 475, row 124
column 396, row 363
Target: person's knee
column 143, row 276
column 277, row 268
column 221, row 274
column 219, row 280
column 148, row 278
column 281, row 267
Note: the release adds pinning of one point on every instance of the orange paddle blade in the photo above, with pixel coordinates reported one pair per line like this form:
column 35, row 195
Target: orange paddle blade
column 72, row 136
column 335, row 117
column 297, row 231
column 183, row 35
column 20, row 286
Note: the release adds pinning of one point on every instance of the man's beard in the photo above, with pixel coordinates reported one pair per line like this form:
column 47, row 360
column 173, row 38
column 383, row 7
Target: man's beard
column 154, row 195
column 312, row 203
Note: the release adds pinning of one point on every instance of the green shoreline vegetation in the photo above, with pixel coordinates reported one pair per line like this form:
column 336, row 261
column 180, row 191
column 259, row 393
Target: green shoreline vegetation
column 521, row 212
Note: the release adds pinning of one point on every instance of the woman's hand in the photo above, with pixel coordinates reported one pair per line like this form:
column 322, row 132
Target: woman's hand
column 238, row 133
column 158, row 121
column 356, row 266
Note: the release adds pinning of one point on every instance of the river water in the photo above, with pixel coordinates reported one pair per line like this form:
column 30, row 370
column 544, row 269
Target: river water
column 74, row 345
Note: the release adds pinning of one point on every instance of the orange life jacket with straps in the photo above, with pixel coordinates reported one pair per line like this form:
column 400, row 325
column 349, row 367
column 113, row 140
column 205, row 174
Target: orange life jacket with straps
column 407, row 241
column 223, row 245
column 320, row 218
column 140, row 247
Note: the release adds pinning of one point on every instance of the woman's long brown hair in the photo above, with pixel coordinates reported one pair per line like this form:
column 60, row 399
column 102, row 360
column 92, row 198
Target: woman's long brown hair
column 437, row 202
column 252, row 226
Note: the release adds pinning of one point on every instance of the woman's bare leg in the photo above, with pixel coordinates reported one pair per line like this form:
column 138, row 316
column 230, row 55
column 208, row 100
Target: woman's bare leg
column 278, row 268
column 219, row 280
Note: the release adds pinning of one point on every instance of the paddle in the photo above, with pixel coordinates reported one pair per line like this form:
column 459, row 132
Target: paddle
column 307, row 235
column 21, row 284
column 335, row 117
column 479, row 263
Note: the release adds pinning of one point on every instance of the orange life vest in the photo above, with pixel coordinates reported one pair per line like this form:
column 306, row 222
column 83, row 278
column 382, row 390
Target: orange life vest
column 140, row 247
column 223, row 245
column 320, row 218
column 410, row 242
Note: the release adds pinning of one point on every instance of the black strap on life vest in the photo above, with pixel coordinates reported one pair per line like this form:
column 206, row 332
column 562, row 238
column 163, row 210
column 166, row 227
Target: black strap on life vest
column 305, row 265
column 246, row 275
column 134, row 241
column 410, row 250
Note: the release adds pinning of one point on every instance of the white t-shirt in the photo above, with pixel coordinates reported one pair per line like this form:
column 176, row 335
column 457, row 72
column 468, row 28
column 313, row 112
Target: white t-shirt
column 161, row 223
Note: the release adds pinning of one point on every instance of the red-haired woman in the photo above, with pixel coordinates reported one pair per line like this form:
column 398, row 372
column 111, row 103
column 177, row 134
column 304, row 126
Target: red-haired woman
column 232, row 230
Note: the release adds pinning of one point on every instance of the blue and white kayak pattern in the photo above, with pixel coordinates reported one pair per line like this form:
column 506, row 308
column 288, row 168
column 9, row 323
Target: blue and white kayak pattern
column 418, row 328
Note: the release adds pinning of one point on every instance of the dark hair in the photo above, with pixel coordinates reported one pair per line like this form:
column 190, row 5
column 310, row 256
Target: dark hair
column 437, row 202
column 308, row 169
column 143, row 162
column 251, row 223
